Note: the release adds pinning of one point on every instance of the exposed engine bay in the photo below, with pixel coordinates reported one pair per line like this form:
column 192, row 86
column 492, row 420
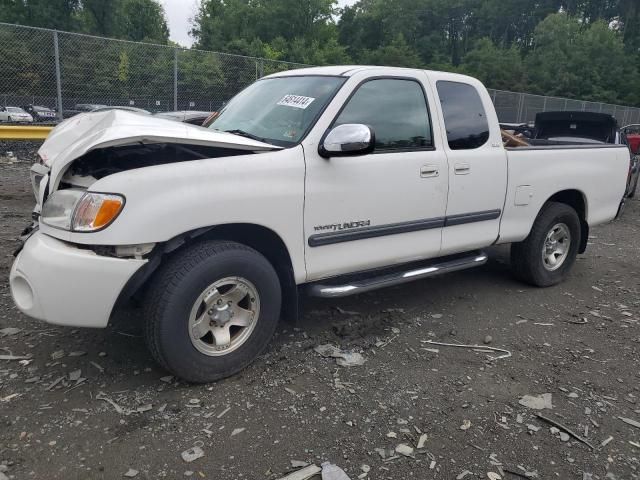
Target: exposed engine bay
column 103, row 162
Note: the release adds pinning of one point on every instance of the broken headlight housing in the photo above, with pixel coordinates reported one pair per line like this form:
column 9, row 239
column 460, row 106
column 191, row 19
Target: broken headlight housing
column 81, row 211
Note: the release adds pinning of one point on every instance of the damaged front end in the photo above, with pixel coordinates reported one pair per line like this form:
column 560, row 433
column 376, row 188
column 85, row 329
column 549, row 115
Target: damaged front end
column 86, row 149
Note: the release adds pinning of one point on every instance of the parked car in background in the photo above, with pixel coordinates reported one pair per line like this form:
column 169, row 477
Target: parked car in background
column 81, row 108
column 40, row 113
column 193, row 117
column 15, row 114
column 632, row 133
column 326, row 181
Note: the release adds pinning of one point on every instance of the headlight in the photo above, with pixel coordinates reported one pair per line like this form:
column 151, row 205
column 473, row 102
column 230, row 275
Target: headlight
column 95, row 211
column 80, row 211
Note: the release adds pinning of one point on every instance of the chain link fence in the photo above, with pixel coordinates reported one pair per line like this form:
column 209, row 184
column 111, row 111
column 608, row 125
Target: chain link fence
column 515, row 107
column 52, row 69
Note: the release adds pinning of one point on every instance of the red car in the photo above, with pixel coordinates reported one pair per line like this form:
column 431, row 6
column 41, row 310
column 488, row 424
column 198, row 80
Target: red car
column 633, row 136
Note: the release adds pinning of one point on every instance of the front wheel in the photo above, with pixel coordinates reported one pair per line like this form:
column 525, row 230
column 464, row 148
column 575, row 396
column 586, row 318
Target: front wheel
column 211, row 310
column 546, row 256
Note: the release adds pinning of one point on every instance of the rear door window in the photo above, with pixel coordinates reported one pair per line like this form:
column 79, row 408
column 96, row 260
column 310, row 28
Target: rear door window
column 464, row 116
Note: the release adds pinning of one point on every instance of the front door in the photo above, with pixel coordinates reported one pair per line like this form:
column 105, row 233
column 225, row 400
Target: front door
column 386, row 207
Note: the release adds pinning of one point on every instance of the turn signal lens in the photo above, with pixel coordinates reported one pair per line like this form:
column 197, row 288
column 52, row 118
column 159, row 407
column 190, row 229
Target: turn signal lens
column 95, row 211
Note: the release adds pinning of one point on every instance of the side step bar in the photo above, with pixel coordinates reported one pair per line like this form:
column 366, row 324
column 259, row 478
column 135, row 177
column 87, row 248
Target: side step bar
column 382, row 280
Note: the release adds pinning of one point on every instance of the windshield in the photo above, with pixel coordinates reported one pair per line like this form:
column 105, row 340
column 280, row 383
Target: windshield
column 277, row 110
column 15, row 110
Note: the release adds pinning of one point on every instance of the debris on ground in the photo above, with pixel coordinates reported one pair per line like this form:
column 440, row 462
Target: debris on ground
column 6, row 332
column 462, row 475
column 131, row 473
column 305, row 473
column 567, row 430
column 343, row 358
column 606, row 441
column 347, row 312
column 631, row 422
column 405, row 450
column 537, row 402
column 192, row 454
column 333, row 472
column 102, row 396
column 14, row 357
column 475, row 348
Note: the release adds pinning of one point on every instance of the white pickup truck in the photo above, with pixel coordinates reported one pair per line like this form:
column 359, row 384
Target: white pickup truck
column 326, row 181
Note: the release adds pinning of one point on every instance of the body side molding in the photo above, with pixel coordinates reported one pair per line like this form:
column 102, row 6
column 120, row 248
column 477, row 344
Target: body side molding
column 331, row 238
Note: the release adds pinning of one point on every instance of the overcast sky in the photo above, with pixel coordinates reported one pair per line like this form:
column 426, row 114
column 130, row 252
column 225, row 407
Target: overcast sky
column 179, row 15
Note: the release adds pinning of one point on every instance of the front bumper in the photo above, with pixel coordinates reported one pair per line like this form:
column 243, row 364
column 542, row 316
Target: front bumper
column 61, row 284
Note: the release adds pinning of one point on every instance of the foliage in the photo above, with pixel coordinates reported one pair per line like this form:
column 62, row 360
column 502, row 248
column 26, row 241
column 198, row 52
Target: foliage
column 576, row 48
column 587, row 49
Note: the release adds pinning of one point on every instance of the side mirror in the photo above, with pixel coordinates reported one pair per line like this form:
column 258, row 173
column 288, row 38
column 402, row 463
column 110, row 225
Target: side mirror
column 348, row 139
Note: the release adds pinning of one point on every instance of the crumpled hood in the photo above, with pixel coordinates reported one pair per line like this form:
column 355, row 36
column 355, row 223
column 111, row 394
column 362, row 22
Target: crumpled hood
column 75, row 137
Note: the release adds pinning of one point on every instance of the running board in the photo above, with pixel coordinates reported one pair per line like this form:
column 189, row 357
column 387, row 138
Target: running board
column 379, row 279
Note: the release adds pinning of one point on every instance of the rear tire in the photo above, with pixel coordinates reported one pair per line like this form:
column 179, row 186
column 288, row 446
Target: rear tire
column 546, row 256
column 211, row 288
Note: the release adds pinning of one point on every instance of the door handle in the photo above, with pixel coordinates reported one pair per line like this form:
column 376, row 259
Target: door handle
column 462, row 169
column 428, row 171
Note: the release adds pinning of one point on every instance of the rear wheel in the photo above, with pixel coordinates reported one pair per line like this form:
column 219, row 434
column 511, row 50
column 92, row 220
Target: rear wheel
column 546, row 256
column 212, row 310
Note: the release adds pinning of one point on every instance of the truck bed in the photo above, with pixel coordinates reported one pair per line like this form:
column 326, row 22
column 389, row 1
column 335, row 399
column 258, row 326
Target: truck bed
column 537, row 172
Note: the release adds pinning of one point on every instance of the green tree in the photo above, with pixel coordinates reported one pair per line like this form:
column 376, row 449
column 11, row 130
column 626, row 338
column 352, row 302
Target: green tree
column 101, row 17
column 502, row 68
column 56, row 14
column 396, row 53
column 580, row 61
column 144, row 21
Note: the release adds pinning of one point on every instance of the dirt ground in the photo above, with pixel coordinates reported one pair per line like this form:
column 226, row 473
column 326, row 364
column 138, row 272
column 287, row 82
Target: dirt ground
column 93, row 405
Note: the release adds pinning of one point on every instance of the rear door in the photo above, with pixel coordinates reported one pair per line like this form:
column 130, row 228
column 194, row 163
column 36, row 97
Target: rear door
column 386, row 207
column 477, row 165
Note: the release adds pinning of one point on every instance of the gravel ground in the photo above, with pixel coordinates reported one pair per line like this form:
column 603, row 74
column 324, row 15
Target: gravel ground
column 93, row 405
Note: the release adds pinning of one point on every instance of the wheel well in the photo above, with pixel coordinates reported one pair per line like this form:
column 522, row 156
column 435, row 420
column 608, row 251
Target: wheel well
column 576, row 200
column 261, row 239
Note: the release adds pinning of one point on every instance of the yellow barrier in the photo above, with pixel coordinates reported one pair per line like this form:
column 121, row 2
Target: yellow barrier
column 24, row 133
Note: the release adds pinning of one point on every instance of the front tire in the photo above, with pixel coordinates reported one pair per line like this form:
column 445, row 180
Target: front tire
column 211, row 310
column 546, row 256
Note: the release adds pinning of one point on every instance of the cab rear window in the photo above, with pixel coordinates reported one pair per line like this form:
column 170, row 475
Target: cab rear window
column 464, row 116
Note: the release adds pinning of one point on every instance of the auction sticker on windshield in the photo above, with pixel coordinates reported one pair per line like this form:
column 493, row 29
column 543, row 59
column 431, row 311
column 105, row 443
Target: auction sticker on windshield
column 296, row 101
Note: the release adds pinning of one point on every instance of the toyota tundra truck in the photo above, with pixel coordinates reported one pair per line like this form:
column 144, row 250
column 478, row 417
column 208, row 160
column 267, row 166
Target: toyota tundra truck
column 327, row 182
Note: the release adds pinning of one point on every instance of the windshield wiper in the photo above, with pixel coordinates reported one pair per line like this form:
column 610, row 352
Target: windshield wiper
column 243, row 133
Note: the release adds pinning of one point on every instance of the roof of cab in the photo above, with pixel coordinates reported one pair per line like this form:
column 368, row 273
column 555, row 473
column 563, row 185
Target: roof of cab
column 349, row 70
column 335, row 70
